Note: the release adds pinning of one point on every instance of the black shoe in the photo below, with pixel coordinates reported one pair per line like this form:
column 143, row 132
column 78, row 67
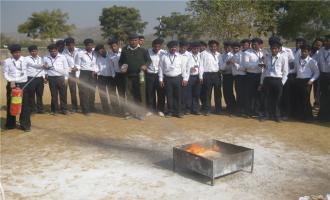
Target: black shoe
column 64, row 112
column 278, row 119
column 52, row 113
column 41, row 112
column 206, row 113
column 10, row 127
column 87, row 114
column 196, row 113
column 26, row 129
column 179, row 115
column 168, row 115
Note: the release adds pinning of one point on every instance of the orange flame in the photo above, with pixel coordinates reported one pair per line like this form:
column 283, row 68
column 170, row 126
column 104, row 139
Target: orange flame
column 197, row 149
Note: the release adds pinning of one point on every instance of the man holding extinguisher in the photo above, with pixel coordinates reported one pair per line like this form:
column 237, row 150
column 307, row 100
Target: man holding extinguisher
column 15, row 72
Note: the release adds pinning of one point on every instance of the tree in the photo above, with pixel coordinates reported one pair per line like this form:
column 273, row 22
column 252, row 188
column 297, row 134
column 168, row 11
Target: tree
column 47, row 25
column 119, row 22
column 308, row 19
column 180, row 26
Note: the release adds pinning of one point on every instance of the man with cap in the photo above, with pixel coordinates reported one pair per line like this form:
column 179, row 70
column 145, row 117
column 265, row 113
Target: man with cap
column 15, row 73
column 153, row 88
column 70, row 52
column 58, row 74
column 105, row 74
column 324, row 66
column 133, row 60
column 85, row 61
column 35, row 71
column 171, row 73
column 194, row 76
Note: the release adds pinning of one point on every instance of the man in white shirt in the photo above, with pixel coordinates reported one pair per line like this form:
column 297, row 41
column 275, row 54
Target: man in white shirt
column 171, row 73
column 85, row 61
column 105, row 74
column 227, row 78
column 210, row 62
column 70, row 52
column 58, row 75
column 316, row 46
column 15, row 73
column 324, row 66
column 251, row 59
column 307, row 72
column 36, row 72
column 153, row 88
column 183, row 51
column 273, row 78
column 194, row 77
column 119, row 82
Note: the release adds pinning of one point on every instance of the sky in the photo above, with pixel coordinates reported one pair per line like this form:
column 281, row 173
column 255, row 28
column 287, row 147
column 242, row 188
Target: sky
column 84, row 13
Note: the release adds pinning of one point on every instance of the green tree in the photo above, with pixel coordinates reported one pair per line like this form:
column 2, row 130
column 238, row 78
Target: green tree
column 308, row 19
column 179, row 25
column 47, row 25
column 119, row 22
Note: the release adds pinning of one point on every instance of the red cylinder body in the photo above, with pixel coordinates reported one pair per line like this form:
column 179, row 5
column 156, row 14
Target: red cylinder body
column 16, row 101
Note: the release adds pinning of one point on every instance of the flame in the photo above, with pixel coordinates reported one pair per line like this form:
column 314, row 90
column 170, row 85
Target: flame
column 197, row 149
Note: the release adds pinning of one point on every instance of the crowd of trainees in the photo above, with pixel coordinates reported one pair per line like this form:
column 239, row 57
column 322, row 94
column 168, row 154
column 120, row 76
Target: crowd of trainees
column 272, row 83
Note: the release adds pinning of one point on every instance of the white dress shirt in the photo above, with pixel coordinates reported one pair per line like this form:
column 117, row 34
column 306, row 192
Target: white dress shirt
column 226, row 68
column 114, row 60
column 276, row 66
column 104, row 66
column 15, row 70
column 193, row 67
column 324, row 60
column 153, row 68
column 86, row 61
column 306, row 68
column 251, row 60
column 237, row 68
column 35, row 66
column 58, row 66
column 171, row 65
column 211, row 62
column 70, row 57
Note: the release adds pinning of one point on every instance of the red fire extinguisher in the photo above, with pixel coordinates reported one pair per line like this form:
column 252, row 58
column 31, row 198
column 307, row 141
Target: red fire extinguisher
column 16, row 101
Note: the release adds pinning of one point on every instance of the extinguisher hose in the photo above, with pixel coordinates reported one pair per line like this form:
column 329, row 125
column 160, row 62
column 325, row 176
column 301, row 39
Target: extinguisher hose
column 28, row 83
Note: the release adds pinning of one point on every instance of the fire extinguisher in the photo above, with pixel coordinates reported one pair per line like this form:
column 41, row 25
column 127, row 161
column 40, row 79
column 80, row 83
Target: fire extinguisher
column 16, row 101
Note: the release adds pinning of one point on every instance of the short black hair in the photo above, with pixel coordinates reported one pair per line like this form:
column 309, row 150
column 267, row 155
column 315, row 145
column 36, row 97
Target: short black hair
column 112, row 41
column 273, row 39
column 141, row 37
column 305, row 47
column 257, row 40
column 69, row 40
column 172, row 43
column 211, row 42
column 98, row 47
column 183, row 43
column 300, row 39
column 203, row 43
column 14, row 47
column 32, row 47
column 236, row 44
column 195, row 44
column 59, row 43
column 276, row 44
column 227, row 43
column 88, row 41
column 157, row 41
column 245, row 41
column 52, row 46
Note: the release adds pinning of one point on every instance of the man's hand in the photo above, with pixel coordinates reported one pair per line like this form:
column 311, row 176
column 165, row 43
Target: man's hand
column 193, row 70
column 12, row 84
column 161, row 84
column 262, row 65
column 144, row 67
column 123, row 68
column 45, row 66
column 45, row 80
column 184, row 83
column 74, row 69
column 310, row 82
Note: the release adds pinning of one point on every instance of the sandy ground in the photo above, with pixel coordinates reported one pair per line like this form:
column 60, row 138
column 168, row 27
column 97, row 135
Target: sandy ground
column 106, row 157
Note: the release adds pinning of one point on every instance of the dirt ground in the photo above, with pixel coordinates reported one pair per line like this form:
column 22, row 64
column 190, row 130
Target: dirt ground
column 102, row 157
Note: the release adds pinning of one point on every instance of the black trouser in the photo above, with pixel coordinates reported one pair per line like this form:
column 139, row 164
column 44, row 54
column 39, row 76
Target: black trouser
column 173, row 92
column 153, row 88
column 193, row 93
column 120, row 85
column 72, row 82
column 302, row 106
column 211, row 80
column 228, row 92
column 184, row 98
column 324, row 113
column 105, row 91
column 57, row 87
column 240, row 89
column 288, row 99
column 24, row 118
column 133, row 93
column 253, row 96
column 36, row 91
column 316, row 91
column 273, row 91
column 87, row 89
